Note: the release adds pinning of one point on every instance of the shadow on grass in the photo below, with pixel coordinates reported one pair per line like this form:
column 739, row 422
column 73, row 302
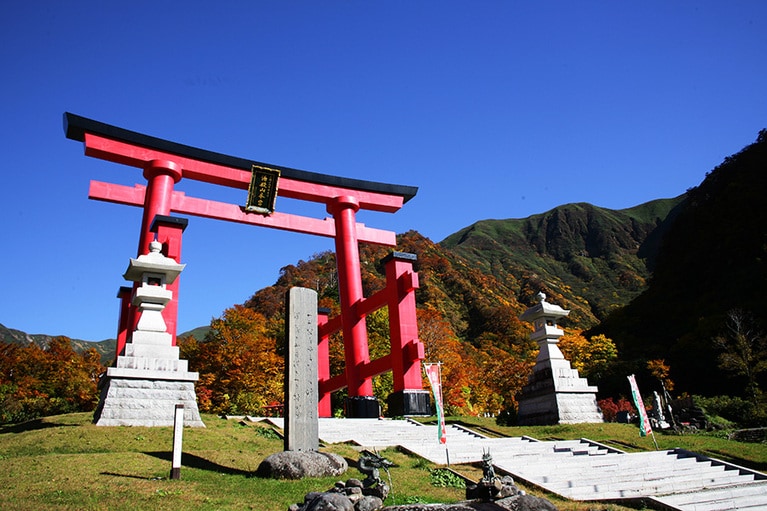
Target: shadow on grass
column 753, row 465
column 131, row 476
column 193, row 461
column 31, row 425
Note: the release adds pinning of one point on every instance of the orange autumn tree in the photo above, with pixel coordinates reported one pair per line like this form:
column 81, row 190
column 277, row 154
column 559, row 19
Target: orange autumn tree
column 502, row 375
column 37, row 381
column 474, row 381
column 662, row 371
column 240, row 364
column 442, row 346
column 590, row 357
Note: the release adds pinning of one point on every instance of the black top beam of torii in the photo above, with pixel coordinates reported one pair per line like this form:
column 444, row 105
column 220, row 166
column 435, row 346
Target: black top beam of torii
column 77, row 126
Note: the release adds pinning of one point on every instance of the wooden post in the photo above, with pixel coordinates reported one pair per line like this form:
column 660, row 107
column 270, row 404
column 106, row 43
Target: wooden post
column 178, row 432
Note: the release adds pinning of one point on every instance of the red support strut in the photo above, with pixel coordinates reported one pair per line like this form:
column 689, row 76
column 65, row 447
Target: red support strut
column 407, row 351
column 161, row 175
column 324, row 408
column 125, row 294
column 168, row 231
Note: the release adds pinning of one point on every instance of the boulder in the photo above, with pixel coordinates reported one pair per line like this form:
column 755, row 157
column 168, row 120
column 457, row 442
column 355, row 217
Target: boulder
column 300, row 464
column 368, row 503
column 329, row 502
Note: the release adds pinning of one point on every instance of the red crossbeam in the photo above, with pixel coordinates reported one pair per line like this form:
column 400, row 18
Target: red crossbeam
column 181, row 203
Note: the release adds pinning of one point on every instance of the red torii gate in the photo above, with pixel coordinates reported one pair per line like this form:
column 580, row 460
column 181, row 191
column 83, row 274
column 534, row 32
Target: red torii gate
column 165, row 163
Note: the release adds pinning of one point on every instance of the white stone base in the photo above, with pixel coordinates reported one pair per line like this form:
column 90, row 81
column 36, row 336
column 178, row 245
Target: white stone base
column 558, row 408
column 556, row 394
column 140, row 402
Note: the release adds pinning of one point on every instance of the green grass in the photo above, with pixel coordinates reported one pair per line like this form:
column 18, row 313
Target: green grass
column 67, row 463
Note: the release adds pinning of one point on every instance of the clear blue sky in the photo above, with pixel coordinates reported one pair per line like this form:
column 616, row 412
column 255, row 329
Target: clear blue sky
column 494, row 109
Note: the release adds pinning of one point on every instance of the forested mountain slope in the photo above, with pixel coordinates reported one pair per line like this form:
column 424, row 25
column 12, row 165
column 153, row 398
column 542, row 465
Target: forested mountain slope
column 713, row 260
column 597, row 259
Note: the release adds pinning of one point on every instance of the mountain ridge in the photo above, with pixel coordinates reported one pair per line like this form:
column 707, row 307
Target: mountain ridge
column 578, row 244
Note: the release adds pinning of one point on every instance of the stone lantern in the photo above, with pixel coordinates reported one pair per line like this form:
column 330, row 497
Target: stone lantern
column 149, row 379
column 546, row 333
column 153, row 271
column 555, row 393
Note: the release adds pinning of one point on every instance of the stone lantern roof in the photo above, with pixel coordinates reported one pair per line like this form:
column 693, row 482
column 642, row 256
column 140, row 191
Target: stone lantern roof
column 153, row 262
column 543, row 309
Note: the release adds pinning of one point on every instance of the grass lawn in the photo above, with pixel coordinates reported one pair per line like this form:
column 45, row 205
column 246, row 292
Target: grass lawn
column 65, row 462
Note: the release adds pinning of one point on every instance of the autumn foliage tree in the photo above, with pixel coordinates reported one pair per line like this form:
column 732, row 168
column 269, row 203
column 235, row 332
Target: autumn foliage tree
column 37, row 381
column 475, row 381
column 662, row 372
column 591, row 357
column 241, row 368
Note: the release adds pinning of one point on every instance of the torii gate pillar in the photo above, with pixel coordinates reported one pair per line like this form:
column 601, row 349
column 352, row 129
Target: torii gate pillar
column 360, row 401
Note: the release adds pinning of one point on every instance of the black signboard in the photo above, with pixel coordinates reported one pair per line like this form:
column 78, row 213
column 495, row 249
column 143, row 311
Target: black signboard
column 262, row 192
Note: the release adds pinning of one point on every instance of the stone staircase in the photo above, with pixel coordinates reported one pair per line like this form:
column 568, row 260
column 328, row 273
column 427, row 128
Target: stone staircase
column 580, row 470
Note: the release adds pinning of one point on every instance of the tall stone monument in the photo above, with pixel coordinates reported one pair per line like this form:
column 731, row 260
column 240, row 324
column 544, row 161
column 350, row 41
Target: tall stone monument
column 301, row 386
column 149, row 379
column 555, row 393
column 301, row 457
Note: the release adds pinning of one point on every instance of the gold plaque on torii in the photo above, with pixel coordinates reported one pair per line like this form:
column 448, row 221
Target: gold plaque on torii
column 262, row 192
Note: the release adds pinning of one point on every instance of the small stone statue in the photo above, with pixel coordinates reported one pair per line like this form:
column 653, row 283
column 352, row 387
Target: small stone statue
column 488, row 472
column 490, row 487
column 370, row 465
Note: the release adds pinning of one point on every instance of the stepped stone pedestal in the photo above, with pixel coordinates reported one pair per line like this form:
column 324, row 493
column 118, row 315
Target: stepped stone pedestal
column 555, row 393
column 149, row 379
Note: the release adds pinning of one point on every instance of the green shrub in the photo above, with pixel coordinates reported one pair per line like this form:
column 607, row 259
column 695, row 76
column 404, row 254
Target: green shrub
column 734, row 409
column 444, row 478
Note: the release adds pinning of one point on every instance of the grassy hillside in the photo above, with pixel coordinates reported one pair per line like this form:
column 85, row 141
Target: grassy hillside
column 598, row 259
column 66, row 463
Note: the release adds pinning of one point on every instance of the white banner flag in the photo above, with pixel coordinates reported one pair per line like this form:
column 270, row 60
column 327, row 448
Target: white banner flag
column 435, row 380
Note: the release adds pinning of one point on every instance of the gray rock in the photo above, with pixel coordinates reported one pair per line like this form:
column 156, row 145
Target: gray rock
column 330, row 502
column 368, row 503
column 525, row 503
column 300, row 464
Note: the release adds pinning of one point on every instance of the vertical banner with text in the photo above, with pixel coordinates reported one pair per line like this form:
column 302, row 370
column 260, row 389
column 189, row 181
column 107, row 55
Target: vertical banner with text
column 644, row 420
column 433, row 372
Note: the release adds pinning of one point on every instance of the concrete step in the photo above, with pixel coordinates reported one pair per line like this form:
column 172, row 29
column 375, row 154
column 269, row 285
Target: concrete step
column 641, row 488
column 746, row 496
column 577, row 465
column 590, row 476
